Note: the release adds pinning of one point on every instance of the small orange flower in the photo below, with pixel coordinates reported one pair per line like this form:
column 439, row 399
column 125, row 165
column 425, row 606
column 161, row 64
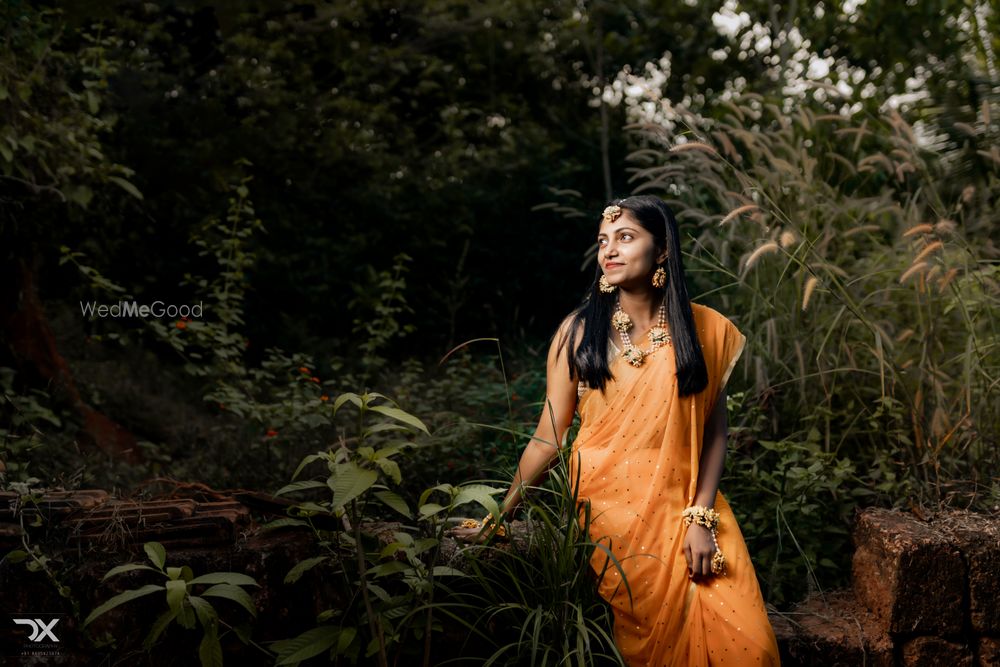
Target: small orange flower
column 271, row 433
column 181, row 324
column 314, row 379
column 303, row 369
column 222, row 406
column 324, row 397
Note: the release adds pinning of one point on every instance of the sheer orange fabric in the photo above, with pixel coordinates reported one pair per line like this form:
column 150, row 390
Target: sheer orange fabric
column 637, row 453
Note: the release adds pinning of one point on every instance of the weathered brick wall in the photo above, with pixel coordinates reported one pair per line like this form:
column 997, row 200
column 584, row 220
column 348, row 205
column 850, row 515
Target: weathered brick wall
column 925, row 592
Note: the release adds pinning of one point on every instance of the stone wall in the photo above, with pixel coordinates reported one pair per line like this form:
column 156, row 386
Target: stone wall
column 925, row 592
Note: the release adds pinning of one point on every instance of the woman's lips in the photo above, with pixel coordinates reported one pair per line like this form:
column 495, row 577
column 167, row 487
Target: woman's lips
column 611, row 266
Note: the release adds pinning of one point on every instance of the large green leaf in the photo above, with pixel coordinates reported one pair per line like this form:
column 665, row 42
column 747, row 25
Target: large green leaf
column 302, row 567
column 234, row 578
column 157, row 554
column 394, row 501
column 400, row 415
column 158, row 627
column 127, row 567
column 176, row 590
column 300, row 486
column 121, row 598
column 310, row 643
column 349, row 482
column 234, row 593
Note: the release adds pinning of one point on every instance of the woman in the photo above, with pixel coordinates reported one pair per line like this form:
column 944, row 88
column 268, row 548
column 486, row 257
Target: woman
column 647, row 374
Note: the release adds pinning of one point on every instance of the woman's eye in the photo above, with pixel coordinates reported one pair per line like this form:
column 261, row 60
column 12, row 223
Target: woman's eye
column 626, row 234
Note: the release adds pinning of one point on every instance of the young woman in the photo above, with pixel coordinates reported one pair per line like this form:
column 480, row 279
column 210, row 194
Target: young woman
column 646, row 369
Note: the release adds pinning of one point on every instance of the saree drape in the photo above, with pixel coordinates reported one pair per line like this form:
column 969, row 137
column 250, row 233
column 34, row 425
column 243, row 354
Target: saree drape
column 637, row 453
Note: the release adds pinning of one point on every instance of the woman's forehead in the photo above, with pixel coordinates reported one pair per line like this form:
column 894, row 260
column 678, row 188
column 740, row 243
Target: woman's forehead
column 624, row 220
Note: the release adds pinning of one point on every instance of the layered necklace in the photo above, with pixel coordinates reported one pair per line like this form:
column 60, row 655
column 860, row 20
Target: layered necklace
column 658, row 335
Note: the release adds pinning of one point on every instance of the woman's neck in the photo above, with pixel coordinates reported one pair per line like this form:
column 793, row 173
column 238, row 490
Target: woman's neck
column 642, row 307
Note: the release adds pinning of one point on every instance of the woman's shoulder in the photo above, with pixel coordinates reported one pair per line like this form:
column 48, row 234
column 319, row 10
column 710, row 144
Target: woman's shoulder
column 707, row 318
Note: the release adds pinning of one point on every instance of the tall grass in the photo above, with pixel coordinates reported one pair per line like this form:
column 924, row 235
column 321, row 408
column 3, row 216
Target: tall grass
column 538, row 603
column 861, row 265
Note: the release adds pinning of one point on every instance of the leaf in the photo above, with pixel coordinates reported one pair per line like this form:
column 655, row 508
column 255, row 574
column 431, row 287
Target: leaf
column 159, row 626
column 394, row 501
column 343, row 398
column 15, row 556
column 391, row 469
column 176, row 590
column 385, row 426
column 207, row 615
column 127, row 567
column 232, row 578
column 400, row 415
column 300, row 486
column 445, row 571
column 209, row 650
column 284, row 523
column 122, row 598
column 349, row 482
column 302, row 567
column 310, row 643
column 126, row 186
column 157, row 554
column 234, row 593
column 306, row 461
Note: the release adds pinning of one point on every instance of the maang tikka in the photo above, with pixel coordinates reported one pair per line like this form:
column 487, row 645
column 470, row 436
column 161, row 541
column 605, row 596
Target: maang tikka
column 610, row 214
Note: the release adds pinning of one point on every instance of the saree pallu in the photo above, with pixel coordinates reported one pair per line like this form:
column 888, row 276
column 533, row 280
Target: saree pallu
column 637, row 453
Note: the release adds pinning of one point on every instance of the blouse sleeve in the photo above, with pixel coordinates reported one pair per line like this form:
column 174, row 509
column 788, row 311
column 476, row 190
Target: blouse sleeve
column 728, row 348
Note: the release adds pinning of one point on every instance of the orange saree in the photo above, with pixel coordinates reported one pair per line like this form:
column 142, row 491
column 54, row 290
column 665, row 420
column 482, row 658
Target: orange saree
column 637, row 453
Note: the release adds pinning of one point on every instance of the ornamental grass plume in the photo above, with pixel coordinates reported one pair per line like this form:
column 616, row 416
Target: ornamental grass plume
column 737, row 211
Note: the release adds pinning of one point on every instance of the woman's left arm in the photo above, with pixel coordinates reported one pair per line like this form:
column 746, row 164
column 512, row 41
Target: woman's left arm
column 713, row 454
column 698, row 543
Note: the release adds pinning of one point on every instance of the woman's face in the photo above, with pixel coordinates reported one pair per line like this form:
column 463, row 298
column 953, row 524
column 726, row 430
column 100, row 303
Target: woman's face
column 626, row 252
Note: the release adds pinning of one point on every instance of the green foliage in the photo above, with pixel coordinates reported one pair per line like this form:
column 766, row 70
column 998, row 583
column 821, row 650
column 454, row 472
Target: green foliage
column 391, row 588
column 23, row 415
column 186, row 603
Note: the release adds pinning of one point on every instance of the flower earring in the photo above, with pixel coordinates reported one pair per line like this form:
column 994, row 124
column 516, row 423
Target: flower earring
column 659, row 277
column 605, row 286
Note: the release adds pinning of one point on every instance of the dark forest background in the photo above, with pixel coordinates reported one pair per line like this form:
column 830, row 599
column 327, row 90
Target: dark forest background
column 402, row 198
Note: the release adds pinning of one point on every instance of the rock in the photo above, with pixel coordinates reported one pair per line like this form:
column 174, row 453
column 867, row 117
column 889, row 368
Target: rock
column 908, row 574
column 977, row 537
column 934, row 652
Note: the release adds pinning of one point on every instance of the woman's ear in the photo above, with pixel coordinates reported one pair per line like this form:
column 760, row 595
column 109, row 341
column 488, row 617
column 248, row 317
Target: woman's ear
column 662, row 257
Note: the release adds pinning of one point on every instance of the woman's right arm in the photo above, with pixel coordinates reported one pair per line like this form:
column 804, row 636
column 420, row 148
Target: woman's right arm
column 556, row 418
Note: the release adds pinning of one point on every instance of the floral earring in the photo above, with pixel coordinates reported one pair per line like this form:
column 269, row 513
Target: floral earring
column 605, row 286
column 659, row 277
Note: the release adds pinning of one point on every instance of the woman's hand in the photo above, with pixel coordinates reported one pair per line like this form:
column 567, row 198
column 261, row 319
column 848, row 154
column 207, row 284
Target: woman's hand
column 471, row 535
column 698, row 549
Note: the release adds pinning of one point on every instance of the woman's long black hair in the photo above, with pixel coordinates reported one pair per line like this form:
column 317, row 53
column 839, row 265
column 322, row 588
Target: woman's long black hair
column 590, row 363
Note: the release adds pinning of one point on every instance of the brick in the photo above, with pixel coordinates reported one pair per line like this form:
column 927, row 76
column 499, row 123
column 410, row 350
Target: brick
column 989, row 651
column 908, row 574
column 977, row 537
column 835, row 631
column 935, row 652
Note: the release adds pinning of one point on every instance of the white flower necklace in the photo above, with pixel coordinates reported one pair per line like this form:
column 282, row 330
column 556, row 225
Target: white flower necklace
column 658, row 335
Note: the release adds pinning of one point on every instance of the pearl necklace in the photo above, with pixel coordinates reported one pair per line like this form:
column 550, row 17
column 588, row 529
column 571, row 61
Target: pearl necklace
column 658, row 335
